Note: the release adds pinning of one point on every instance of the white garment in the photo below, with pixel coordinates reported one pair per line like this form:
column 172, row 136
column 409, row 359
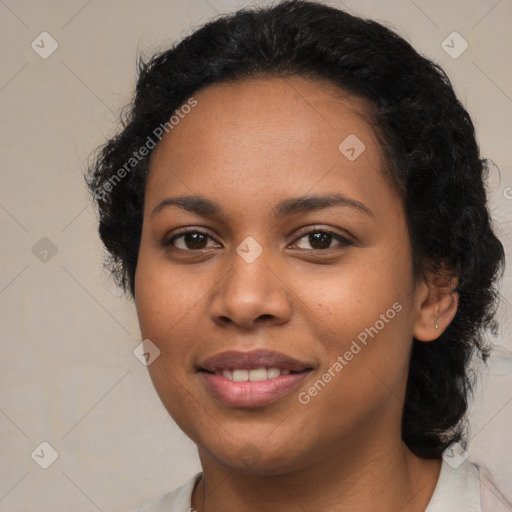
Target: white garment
column 457, row 490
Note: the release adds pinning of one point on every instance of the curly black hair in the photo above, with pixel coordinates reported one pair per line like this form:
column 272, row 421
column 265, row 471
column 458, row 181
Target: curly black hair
column 428, row 141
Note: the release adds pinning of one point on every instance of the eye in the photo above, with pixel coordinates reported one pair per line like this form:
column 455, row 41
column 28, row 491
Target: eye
column 192, row 240
column 321, row 240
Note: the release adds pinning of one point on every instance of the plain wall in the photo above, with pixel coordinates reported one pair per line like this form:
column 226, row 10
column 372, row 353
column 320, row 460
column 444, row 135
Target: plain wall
column 67, row 370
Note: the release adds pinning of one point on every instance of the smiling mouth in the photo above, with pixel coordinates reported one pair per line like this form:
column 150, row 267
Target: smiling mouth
column 252, row 379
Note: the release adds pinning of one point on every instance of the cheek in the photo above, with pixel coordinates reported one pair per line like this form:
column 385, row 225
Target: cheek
column 357, row 296
column 364, row 364
column 163, row 296
column 163, row 303
column 368, row 315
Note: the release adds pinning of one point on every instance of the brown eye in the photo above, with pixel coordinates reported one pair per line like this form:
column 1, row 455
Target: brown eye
column 189, row 241
column 321, row 240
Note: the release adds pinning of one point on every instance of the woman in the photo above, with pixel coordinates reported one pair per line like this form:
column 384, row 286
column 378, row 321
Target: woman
column 296, row 204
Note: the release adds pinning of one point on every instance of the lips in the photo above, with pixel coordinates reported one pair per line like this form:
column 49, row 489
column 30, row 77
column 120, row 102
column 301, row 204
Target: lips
column 251, row 379
column 260, row 358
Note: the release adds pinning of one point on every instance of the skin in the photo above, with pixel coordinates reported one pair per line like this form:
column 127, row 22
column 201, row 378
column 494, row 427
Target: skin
column 249, row 145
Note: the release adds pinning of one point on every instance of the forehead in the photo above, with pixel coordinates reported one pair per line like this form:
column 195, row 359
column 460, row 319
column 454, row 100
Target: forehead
column 294, row 106
column 269, row 137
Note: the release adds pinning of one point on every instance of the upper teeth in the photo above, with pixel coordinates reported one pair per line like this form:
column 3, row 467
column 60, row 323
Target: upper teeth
column 257, row 374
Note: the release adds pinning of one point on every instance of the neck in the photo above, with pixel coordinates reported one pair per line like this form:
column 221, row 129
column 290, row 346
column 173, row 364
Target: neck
column 360, row 475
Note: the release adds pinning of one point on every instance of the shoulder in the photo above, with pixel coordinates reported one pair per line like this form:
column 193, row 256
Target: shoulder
column 465, row 488
column 492, row 498
column 178, row 500
column 457, row 489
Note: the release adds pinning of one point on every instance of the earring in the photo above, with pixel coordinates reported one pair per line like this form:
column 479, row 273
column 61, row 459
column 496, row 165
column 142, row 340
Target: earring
column 437, row 325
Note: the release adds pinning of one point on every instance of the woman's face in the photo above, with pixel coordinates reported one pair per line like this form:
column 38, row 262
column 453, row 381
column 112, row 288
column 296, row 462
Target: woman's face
column 298, row 246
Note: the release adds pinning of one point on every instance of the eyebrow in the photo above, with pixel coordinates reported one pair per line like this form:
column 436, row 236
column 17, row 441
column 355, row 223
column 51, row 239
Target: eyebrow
column 287, row 207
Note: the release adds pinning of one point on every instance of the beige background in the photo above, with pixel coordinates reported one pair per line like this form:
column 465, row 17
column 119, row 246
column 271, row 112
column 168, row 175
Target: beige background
column 68, row 374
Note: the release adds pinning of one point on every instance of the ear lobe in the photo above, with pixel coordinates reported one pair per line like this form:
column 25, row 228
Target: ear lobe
column 436, row 310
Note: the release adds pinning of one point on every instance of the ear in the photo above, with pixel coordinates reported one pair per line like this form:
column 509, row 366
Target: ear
column 436, row 305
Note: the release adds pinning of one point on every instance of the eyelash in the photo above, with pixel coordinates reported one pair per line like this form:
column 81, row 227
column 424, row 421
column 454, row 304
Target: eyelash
column 343, row 242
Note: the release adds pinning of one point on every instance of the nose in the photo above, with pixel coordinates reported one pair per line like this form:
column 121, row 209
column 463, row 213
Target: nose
column 251, row 294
